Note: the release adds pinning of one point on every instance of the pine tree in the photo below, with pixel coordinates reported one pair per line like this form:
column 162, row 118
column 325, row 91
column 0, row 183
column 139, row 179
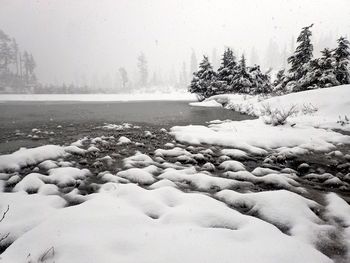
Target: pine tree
column 226, row 71
column 143, row 69
column 260, row 82
column 203, row 79
column 342, row 56
column 302, row 55
column 241, row 81
column 326, row 67
column 124, row 77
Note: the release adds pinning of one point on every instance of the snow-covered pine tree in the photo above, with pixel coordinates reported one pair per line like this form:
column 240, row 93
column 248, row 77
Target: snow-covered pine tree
column 260, row 82
column 226, row 72
column 203, row 79
column 302, row 55
column 279, row 81
column 241, row 81
column 326, row 66
column 342, row 56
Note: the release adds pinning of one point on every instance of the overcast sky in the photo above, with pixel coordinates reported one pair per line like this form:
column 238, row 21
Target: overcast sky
column 72, row 38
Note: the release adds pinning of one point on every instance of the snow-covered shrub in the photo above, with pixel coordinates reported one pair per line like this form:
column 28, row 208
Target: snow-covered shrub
column 277, row 116
column 343, row 121
column 308, row 109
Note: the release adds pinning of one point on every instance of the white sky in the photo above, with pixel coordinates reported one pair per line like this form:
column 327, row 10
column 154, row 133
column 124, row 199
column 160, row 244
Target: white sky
column 71, row 38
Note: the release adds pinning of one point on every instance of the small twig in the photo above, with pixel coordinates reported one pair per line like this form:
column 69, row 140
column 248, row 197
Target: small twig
column 4, row 237
column 4, row 214
column 46, row 253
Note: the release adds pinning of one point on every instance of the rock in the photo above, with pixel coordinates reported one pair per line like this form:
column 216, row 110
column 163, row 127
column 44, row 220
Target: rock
column 208, row 167
column 320, row 170
column 304, row 167
column 83, row 162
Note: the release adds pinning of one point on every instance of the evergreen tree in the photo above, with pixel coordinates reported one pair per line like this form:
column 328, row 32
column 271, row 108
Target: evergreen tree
column 342, row 56
column 124, row 77
column 326, row 68
column 241, row 81
column 302, row 55
column 6, row 54
column 143, row 70
column 260, row 81
column 203, row 79
column 226, row 71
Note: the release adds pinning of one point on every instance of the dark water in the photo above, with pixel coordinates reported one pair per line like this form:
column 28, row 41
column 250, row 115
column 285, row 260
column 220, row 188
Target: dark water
column 152, row 112
column 80, row 119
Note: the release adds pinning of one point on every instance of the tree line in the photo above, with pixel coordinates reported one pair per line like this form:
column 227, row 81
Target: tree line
column 16, row 66
column 305, row 72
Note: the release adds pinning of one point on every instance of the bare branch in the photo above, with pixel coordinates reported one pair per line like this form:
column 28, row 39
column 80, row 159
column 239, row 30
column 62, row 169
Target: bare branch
column 4, row 214
column 47, row 255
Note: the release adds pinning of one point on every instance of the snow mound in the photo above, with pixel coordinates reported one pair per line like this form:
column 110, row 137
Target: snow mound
column 175, row 152
column 127, row 223
column 231, row 165
column 30, row 183
column 64, row 176
column 123, row 140
column 234, row 153
column 200, row 181
column 138, row 159
column 26, row 157
column 282, row 208
column 137, row 175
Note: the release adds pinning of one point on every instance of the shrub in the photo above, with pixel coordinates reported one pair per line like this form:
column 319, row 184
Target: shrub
column 277, row 116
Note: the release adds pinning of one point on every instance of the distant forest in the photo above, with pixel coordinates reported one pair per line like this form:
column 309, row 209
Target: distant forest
column 234, row 74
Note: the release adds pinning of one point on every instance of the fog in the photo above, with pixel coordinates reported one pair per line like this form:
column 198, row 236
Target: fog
column 79, row 41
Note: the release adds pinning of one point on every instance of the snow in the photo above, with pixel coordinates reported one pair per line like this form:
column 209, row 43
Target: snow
column 317, row 108
column 64, row 176
column 231, row 165
column 175, row 152
column 207, row 103
column 255, row 137
column 130, row 224
column 137, row 175
column 74, row 150
column 26, row 212
column 123, row 140
column 282, row 208
column 26, row 157
column 99, row 97
column 234, row 153
column 138, row 159
column 276, row 180
column 117, row 127
column 47, row 165
column 30, row 183
column 201, row 181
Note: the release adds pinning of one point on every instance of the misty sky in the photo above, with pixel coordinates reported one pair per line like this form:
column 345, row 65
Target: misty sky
column 72, row 38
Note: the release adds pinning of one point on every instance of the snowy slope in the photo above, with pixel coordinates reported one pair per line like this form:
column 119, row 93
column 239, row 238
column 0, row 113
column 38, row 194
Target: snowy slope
column 317, row 108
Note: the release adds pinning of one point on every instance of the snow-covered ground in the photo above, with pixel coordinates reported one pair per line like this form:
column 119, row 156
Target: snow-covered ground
column 98, row 97
column 325, row 108
column 228, row 191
